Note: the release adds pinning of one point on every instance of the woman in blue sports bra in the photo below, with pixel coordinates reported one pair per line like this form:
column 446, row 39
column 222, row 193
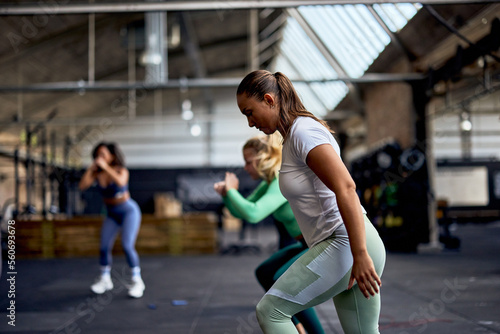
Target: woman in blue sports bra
column 108, row 172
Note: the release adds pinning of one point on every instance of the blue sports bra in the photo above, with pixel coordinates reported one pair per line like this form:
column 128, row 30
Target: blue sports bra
column 112, row 190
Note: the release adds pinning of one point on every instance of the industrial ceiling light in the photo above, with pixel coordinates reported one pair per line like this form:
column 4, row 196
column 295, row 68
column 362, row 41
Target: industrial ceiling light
column 195, row 130
column 187, row 113
column 465, row 123
column 81, row 91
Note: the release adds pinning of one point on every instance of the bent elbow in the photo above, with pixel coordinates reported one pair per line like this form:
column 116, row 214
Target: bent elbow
column 351, row 186
column 81, row 185
column 252, row 219
column 348, row 189
column 84, row 184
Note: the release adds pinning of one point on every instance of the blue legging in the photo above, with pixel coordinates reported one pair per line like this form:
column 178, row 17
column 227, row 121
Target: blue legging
column 127, row 217
column 320, row 274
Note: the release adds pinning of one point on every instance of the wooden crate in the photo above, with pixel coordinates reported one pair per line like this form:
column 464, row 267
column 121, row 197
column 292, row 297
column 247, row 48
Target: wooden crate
column 77, row 238
column 199, row 231
column 194, row 233
column 30, row 239
column 167, row 206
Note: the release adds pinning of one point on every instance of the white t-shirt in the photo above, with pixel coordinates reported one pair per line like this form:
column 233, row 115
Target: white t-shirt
column 313, row 203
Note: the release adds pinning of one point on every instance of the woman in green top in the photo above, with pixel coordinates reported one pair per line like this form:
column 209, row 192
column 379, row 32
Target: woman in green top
column 262, row 157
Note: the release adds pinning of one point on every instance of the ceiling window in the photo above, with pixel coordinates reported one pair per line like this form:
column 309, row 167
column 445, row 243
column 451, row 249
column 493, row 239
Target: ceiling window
column 353, row 37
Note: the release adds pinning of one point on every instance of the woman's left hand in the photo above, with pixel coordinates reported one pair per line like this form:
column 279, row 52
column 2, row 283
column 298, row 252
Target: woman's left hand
column 231, row 181
column 363, row 272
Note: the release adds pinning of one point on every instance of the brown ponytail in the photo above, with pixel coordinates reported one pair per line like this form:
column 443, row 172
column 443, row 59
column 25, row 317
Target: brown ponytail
column 258, row 83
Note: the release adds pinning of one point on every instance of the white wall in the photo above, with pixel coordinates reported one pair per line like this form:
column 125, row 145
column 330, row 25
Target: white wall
column 484, row 136
column 166, row 141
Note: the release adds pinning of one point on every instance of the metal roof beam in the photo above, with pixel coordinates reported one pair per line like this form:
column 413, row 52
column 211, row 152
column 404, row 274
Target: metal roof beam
column 42, row 8
column 271, row 40
column 274, row 26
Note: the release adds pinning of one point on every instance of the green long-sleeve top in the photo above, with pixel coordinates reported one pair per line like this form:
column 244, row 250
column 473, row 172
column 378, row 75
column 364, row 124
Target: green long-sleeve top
column 265, row 200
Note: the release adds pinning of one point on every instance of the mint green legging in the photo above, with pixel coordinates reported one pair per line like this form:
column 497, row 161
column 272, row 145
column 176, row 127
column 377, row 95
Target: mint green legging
column 271, row 269
column 320, row 274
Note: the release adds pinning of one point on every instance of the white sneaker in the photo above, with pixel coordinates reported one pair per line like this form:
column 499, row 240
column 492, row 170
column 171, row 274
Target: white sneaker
column 102, row 285
column 136, row 289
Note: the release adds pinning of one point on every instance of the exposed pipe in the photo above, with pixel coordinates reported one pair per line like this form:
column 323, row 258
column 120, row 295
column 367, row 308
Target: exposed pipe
column 51, row 9
column 192, row 83
column 91, row 66
column 132, row 96
column 97, row 121
column 155, row 55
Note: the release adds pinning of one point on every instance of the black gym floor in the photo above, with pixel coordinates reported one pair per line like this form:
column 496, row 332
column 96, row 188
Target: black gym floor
column 446, row 292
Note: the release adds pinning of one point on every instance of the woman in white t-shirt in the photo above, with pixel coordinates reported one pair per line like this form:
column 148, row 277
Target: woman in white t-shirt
column 346, row 256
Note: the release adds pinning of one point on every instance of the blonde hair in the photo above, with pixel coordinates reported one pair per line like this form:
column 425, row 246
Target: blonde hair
column 268, row 154
column 258, row 83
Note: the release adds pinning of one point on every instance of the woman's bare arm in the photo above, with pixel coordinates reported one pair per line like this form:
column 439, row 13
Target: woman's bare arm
column 88, row 177
column 327, row 165
column 119, row 177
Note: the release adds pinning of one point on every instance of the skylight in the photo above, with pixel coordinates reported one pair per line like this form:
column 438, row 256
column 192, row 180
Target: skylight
column 353, row 37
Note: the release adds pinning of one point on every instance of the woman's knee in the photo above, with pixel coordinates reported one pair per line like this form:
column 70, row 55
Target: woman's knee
column 267, row 310
column 261, row 310
column 128, row 247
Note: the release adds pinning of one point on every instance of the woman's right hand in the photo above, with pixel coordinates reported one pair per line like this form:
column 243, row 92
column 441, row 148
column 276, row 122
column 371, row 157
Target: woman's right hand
column 231, row 181
column 220, row 188
column 363, row 272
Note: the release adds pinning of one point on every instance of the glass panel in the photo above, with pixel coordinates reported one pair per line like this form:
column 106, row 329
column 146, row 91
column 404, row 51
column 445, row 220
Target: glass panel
column 353, row 37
